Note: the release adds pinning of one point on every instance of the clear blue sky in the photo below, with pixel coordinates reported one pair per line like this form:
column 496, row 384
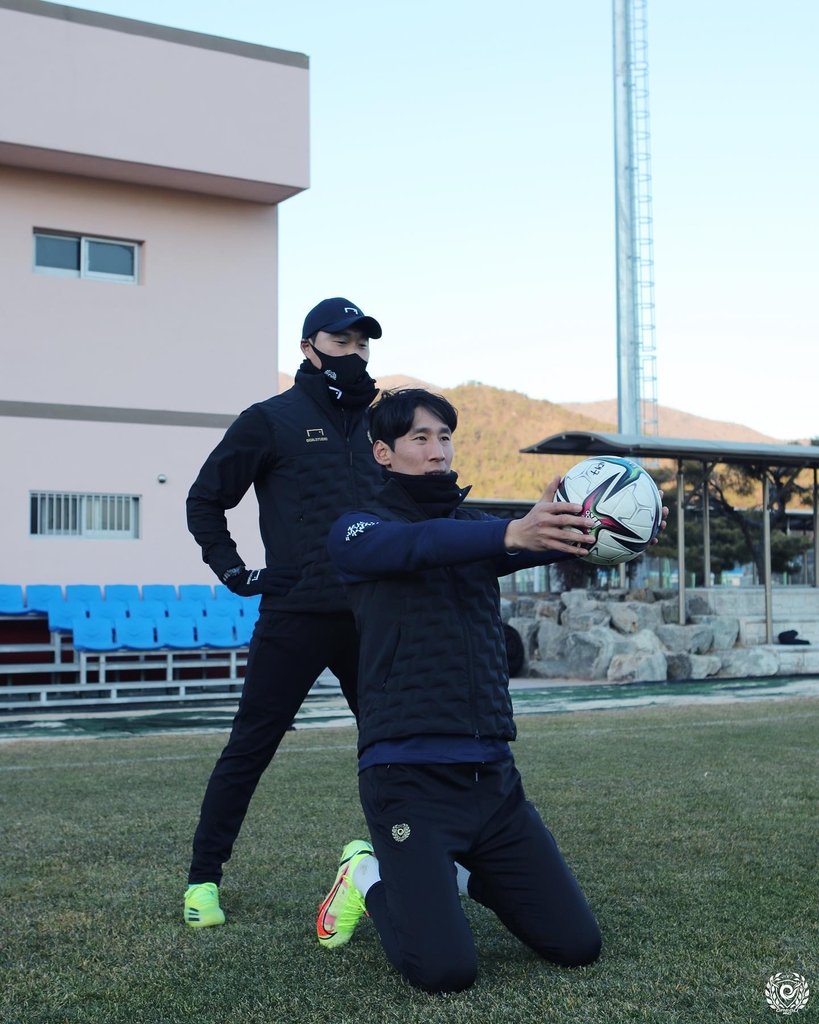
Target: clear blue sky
column 462, row 191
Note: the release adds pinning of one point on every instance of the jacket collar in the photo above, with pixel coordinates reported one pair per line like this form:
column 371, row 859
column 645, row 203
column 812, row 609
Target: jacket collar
column 315, row 385
column 396, row 499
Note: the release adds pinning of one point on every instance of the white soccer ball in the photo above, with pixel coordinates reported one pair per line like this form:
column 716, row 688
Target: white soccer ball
column 621, row 502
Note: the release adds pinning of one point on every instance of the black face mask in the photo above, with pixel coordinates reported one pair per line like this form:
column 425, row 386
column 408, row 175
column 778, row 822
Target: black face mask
column 347, row 378
column 341, row 371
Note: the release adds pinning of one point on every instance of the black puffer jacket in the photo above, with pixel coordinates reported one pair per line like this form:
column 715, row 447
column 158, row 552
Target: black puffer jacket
column 308, row 459
column 433, row 655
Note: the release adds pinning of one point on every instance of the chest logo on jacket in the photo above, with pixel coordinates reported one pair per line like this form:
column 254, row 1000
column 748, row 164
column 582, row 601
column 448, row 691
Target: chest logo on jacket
column 356, row 528
column 316, row 434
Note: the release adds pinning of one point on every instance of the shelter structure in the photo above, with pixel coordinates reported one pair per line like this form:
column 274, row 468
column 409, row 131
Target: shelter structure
column 761, row 457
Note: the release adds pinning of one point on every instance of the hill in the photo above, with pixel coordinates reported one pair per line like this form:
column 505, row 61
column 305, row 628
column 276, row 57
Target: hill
column 674, row 423
column 495, row 424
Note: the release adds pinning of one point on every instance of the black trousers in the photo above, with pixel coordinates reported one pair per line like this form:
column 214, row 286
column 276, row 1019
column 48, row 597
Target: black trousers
column 423, row 818
column 288, row 652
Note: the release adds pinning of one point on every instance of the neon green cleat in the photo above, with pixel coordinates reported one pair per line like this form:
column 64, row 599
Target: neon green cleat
column 343, row 906
column 202, row 905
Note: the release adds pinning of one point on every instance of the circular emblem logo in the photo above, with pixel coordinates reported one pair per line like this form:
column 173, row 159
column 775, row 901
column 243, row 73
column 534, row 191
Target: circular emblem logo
column 787, row 992
column 401, row 832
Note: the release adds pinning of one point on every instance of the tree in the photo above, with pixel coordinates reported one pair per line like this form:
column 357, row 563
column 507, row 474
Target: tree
column 736, row 532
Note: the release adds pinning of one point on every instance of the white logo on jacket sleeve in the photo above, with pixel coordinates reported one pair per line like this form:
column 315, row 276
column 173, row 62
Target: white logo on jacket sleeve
column 356, row 528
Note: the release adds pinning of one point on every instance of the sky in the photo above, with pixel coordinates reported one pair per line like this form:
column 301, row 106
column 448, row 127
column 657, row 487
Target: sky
column 462, row 192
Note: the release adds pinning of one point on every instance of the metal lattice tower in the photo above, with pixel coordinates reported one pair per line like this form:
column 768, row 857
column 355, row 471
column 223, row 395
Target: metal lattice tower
column 636, row 343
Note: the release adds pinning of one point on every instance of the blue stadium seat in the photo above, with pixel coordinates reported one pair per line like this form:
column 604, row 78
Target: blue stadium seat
column 244, row 629
column 148, row 609
column 222, row 593
column 108, row 610
column 40, row 595
column 249, row 606
column 177, row 632
column 216, row 632
column 121, row 592
column 222, row 610
column 83, row 592
column 136, row 634
column 61, row 614
column 158, row 592
column 11, row 599
column 196, row 591
column 187, row 608
column 93, row 635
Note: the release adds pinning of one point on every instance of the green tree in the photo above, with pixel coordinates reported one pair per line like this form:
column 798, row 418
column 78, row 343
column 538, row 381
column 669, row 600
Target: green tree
column 736, row 533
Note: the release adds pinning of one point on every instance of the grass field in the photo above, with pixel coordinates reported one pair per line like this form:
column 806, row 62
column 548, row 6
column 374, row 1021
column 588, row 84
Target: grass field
column 693, row 831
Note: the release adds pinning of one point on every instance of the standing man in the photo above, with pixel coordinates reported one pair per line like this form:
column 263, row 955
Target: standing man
column 308, row 457
column 438, row 783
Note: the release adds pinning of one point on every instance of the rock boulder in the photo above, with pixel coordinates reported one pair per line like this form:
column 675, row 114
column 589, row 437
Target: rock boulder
column 692, row 666
column 747, row 662
column 637, row 668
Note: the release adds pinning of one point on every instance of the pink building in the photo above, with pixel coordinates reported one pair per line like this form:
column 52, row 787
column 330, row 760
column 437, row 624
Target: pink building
column 140, row 172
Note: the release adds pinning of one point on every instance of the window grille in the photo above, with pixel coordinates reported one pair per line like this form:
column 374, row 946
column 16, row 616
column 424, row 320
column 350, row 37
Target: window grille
column 90, row 516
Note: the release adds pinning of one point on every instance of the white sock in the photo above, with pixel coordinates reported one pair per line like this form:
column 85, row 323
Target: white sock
column 366, row 874
column 463, row 879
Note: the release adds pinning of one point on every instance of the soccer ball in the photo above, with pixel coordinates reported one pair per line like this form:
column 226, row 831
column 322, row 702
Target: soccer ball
column 621, row 502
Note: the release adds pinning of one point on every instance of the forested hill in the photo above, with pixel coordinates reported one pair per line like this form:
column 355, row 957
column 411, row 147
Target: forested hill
column 494, row 425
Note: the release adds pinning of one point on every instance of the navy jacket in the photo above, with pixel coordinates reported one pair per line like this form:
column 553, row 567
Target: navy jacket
column 427, row 605
column 308, row 458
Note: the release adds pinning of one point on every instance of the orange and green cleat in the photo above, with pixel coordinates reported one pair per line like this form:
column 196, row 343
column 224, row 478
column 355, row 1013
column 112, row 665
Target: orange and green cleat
column 343, row 907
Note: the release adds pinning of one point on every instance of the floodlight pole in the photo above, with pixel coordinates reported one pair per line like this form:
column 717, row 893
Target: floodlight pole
column 634, row 243
column 628, row 394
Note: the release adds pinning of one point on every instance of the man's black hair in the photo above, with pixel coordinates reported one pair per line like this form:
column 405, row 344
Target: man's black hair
column 392, row 416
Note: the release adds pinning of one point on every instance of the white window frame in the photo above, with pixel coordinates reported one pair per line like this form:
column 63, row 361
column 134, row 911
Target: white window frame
column 84, row 271
column 81, row 516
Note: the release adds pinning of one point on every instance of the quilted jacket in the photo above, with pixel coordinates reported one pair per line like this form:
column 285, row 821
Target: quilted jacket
column 427, row 605
column 308, row 459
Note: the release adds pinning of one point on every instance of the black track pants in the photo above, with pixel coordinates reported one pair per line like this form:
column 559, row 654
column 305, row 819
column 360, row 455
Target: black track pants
column 287, row 654
column 423, row 818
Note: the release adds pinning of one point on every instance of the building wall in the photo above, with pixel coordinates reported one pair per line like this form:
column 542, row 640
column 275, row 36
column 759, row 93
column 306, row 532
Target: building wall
column 110, row 458
column 183, row 143
column 197, row 333
column 107, row 89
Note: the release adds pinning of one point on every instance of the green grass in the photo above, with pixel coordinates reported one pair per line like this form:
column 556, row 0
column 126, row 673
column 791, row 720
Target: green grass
column 693, row 831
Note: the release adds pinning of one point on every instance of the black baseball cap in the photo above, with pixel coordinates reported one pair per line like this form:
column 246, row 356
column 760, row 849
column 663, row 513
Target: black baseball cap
column 335, row 315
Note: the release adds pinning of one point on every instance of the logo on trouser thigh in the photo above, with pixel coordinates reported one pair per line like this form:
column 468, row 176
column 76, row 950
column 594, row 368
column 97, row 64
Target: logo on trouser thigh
column 401, row 832
column 787, row 992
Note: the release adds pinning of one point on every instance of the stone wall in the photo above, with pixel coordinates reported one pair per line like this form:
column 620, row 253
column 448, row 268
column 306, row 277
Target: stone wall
column 792, row 607
column 635, row 636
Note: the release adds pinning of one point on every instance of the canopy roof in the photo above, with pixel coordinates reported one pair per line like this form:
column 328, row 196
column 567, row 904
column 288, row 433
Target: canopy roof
column 581, row 442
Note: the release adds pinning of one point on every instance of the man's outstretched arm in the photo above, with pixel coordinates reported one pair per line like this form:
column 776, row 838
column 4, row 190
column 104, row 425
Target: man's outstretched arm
column 363, row 546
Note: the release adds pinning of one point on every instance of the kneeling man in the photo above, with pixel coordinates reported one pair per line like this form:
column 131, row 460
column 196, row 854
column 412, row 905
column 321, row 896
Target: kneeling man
column 439, row 787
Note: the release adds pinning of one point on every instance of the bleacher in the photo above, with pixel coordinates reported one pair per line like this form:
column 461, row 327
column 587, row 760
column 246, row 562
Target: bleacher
column 86, row 644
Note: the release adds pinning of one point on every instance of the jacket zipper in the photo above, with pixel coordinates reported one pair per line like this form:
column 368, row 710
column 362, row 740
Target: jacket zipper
column 349, row 456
